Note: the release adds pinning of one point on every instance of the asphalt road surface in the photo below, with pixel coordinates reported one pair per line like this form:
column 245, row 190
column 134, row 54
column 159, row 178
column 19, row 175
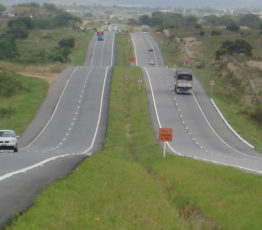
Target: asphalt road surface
column 198, row 129
column 70, row 125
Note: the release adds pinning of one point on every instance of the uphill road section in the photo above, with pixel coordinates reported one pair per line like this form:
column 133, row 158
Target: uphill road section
column 199, row 131
column 70, row 126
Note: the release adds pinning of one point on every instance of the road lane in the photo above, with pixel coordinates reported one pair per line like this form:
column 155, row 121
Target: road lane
column 75, row 129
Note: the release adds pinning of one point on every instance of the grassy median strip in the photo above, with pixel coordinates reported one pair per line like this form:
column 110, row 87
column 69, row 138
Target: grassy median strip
column 129, row 185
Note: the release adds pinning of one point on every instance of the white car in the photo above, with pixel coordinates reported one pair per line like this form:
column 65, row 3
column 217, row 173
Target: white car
column 151, row 62
column 8, row 140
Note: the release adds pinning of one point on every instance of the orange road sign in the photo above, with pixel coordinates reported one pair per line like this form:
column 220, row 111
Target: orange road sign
column 165, row 134
column 132, row 59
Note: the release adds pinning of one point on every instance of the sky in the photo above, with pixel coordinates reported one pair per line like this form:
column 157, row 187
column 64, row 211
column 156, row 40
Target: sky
column 221, row 4
column 199, row 3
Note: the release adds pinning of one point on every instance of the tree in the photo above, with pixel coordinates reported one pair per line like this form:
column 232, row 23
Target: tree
column 18, row 33
column 2, row 8
column 50, row 6
column 236, row 47
column 250, row 20
column 242, row 46
column 215, row 33
column 211, row 20
column 21, row 23
column 144, row 20
column 67, row 43
column 7, row 49
column 233, row 27
column 65, row 19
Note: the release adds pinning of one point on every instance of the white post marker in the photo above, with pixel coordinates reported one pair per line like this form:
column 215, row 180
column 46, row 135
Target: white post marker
column 211, row 83
column 164, row 149
column 140, row 81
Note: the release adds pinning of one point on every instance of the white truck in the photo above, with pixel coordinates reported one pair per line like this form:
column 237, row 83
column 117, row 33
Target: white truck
column 184, row 81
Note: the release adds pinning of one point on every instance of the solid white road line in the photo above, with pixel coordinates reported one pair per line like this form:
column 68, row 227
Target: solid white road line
column 229, row 126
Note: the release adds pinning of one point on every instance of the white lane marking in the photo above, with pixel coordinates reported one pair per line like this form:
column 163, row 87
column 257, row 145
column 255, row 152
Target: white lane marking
column 229, row 126
column 156, row 111
column 24, row 170
column 100, row 112
column 214, row 131
column 134, row 44
column 113, row 48
column 194, row 157
column 92, row 58
column 86, row 152
column 153, row 49
column 53, row 111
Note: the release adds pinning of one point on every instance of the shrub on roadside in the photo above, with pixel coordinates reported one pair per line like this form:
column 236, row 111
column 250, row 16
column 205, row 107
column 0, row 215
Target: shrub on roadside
column 9, row 86
column 6, row 112
column 257, row 114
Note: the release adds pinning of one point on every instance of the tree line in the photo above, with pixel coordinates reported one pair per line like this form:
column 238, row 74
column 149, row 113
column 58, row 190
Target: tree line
column 162, row 20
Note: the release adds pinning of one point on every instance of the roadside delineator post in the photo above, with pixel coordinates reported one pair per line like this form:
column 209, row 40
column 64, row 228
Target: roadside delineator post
column 211, row 83
column 165, row 135
column 139, row 81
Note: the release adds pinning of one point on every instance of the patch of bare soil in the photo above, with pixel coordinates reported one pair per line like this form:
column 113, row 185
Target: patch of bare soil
column 255, row 64
column 189, row 47
column 49, row 77
column 190, row 44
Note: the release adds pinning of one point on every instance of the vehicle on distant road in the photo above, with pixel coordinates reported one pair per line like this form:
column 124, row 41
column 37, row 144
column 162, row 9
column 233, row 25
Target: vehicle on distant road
column 184, row 81
column 8, row 140
column 150, row 49
column 100, row 35
column 151, row 62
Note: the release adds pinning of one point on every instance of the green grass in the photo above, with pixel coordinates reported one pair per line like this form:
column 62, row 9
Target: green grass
column 129, row 185
column 47, row 40
column 26, row 103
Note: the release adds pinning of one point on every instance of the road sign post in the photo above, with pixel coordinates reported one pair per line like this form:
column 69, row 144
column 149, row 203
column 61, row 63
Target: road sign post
column 165, row 135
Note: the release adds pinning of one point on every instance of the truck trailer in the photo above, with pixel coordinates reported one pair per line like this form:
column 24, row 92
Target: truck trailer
column 184, row 81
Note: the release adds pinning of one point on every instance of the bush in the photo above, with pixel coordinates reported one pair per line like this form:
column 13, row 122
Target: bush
column 236, row 47
column 257, row 114
column 18, row 33
column 233, row 27
column 24, row 23
column 6, row 112
column 67, row 43
column 8, row 47
column 215, row 33
column 9, row 86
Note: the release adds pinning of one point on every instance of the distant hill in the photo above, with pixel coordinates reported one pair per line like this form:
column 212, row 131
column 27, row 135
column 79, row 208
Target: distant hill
column 152, row 3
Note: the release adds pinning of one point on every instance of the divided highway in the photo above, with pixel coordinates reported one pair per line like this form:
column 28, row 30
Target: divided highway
column 70, row 125
column 198, row 129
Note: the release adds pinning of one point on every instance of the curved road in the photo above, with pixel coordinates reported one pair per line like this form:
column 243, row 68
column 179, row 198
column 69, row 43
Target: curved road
column 198, row 129
column 70, row 125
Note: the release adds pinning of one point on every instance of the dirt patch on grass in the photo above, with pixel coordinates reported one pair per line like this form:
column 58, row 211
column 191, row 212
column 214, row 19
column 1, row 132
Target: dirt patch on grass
column 191, row 44
column 49, row 77
column 255, row 64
